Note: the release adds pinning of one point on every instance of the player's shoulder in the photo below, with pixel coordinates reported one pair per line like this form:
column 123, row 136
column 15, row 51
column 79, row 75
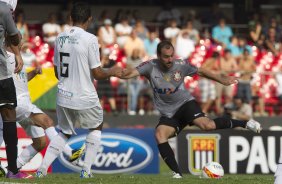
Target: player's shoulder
column 89, row 37
column 5, row 8
column 180, row 62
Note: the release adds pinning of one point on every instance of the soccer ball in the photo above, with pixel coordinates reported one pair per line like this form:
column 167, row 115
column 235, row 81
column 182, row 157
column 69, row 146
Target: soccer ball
column 212, row 170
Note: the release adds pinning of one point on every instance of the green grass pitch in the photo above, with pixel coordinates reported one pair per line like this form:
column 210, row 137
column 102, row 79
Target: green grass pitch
column 163, row 178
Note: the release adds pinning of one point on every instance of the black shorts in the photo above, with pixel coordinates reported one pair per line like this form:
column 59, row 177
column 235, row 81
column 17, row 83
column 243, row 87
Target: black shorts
column 8, row 97
column 184, row 116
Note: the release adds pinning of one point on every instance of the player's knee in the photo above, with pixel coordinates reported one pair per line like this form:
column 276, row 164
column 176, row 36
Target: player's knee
column 161, row 136
column 39, row 144
column 48, row 122
column 208, row 125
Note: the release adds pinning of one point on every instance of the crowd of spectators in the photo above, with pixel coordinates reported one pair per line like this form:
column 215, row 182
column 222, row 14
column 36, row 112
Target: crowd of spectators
column 254, row 56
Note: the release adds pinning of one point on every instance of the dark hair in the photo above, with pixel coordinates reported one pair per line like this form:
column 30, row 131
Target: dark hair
column 80, row 12
column 163, row 44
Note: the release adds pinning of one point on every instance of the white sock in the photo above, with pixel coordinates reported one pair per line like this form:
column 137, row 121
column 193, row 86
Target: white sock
column 55, row 147
column 68, row 150
column 51, row 133
column 93, row 141
column 26, row 155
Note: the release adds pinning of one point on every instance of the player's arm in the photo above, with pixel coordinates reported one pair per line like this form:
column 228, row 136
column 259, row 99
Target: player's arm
column 129, row 73
column 14, row 38
column 223, row 79
column 100, row 73
column 33, row 73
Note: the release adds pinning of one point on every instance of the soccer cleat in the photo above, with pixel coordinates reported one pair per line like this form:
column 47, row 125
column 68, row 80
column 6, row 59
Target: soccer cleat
column 254, row 126
column 76, row 154
column 176, row 175
column 84, row 174
column 39, row 174
column 3, row 171
column 18, row 175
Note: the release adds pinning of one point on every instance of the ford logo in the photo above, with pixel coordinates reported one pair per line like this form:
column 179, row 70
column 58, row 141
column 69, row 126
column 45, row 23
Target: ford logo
column 118, row 153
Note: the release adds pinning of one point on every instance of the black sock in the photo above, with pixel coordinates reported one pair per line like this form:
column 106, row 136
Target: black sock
column 238, row 123
column 224, row 122
column 168, row 156
column 11, row 141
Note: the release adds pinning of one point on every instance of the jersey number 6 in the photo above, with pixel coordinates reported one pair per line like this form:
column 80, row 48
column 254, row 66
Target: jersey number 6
column 64, row 69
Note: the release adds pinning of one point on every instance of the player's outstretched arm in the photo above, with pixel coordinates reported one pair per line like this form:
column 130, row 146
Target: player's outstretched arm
column 100, row 73
column 129, row 73
column 225, row 80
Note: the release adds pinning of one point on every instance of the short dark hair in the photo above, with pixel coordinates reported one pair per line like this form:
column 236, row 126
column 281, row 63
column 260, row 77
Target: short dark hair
column 163, row 44
column 80, row 12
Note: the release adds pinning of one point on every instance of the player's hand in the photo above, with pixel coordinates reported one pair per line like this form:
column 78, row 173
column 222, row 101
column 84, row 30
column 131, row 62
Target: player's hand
column 38, row 70
column 228, row 80
column 19, row 64
column 116, row 71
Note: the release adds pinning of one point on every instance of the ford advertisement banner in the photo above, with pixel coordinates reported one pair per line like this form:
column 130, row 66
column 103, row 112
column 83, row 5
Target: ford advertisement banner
column 239, row 152
column 121, row 151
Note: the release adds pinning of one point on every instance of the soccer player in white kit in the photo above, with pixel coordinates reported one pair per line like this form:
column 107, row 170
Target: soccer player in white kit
column 77, row 61
column 31, row 118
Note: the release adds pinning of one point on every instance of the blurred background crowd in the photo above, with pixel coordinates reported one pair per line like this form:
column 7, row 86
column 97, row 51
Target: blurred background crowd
column 248, row 45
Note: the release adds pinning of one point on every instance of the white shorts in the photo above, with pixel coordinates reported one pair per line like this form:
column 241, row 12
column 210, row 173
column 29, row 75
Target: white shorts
column 23, row 111
column 69, row 119
column 25, row 108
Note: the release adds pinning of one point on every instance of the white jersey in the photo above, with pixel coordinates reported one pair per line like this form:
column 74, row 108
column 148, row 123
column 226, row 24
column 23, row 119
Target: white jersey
column 20, row 79
column 76, row 53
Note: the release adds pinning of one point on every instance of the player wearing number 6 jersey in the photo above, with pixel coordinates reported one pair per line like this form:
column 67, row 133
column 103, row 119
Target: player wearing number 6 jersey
column 77, row 62
column 31, row 118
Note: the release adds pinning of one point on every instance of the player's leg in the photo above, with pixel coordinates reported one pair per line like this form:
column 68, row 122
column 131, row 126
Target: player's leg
column 30, row 151
column 39, row 142
column 191, row 112
column 44, row 121
column 205, row 123
column 56, row 146
column 163, row 132
column 92, row 142
column 66, row 117
column 91, row 119
column 10, row 137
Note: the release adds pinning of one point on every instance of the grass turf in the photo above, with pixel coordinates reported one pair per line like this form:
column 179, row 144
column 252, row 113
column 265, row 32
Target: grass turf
column 163, row 178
